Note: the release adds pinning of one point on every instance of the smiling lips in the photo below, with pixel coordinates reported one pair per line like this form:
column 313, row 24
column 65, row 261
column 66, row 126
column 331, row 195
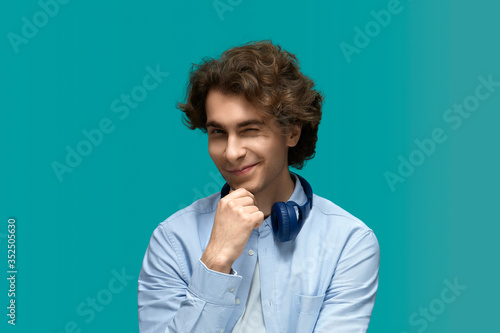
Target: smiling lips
column 244, row 170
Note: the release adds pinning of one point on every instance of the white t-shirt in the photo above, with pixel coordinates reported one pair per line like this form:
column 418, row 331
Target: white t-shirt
column 252, row 319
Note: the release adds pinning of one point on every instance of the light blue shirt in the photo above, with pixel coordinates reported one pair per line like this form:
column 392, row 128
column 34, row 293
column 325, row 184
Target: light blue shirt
column 325, row 280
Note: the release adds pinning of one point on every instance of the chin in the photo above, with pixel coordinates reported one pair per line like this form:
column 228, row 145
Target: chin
column 248, row 185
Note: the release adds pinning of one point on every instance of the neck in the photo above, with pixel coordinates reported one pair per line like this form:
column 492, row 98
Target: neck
column 281, row 189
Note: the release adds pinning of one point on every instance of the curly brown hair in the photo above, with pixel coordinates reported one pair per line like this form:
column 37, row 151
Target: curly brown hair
column 270, row 79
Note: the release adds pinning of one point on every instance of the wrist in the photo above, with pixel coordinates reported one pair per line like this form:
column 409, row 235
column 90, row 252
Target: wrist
column 216, row 262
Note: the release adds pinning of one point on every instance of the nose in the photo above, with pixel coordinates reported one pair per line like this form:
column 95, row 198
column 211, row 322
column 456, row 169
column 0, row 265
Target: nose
column 234, row 149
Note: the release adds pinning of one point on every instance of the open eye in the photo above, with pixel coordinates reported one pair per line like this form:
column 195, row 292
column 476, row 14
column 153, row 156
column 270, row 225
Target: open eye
column 216, row 131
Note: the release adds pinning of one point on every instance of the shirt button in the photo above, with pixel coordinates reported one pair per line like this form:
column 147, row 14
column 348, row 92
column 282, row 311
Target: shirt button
column 221, row 330
column 231, row 290
column 250, row 252
column 237, row 301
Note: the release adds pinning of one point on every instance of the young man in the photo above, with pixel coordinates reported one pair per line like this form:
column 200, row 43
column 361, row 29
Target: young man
column 265, row 254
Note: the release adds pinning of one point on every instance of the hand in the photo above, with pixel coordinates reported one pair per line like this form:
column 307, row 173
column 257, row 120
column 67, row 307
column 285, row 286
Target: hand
column 236, row 216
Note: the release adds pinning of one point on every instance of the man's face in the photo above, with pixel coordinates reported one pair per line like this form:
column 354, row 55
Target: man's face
column 247, row 150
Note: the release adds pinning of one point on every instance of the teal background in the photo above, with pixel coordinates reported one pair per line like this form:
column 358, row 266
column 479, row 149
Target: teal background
column 439, row 224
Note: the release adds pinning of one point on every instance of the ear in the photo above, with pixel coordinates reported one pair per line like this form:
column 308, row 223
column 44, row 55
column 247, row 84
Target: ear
column 293, row 137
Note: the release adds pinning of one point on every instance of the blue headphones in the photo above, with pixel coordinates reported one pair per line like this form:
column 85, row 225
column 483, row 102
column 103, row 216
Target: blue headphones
column 286, row 224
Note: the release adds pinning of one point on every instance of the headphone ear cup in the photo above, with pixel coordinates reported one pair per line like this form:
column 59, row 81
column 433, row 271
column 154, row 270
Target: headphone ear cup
column 293, row 219
column 292, row 213
column 280, row 220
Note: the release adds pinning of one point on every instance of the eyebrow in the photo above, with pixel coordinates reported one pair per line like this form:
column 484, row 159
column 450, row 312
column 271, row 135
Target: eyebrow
column 239, row 125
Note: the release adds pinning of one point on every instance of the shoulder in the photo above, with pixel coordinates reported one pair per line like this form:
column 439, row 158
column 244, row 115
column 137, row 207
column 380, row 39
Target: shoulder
column 196, row 218
column 330, row 219
column 202, row 206
column 180, row 239
column 329, row 209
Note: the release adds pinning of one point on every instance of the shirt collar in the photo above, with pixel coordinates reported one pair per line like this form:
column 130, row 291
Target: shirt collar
column 298, row 195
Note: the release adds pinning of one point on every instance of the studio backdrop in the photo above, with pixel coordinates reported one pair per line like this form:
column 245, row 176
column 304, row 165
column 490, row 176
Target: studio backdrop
column 95, row 155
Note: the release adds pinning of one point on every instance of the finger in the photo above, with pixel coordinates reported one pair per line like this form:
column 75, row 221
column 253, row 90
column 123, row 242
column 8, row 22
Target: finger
column 259, row 218
column 245, row 201
column 240, row 192
column 257, row 215
column 250, row 210
column 253, row 216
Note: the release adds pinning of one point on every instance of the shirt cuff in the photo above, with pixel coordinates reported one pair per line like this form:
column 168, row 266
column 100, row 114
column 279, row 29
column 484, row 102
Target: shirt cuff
column 213, row 286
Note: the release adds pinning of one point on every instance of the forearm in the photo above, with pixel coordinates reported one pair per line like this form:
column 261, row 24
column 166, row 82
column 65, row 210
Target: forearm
column 205, row 304
column 211, row 296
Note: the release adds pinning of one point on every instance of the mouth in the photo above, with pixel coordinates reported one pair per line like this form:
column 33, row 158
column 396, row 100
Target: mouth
column 244, row 170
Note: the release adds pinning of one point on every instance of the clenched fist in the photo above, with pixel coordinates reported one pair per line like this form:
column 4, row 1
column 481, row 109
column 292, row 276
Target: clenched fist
column 236, row 216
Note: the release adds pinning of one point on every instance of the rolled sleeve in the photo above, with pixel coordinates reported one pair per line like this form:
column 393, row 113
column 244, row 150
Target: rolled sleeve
column 214, row 287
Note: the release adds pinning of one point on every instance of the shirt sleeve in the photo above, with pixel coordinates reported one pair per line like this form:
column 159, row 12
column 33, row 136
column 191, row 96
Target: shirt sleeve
column 350, row 297
column 175, row 296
